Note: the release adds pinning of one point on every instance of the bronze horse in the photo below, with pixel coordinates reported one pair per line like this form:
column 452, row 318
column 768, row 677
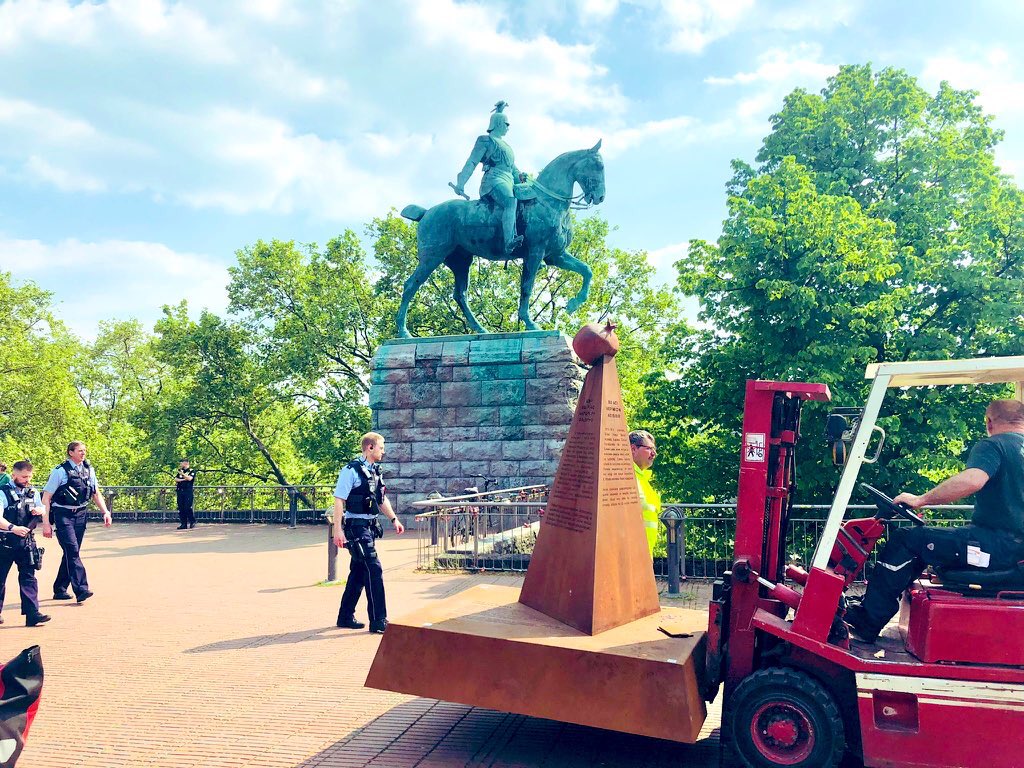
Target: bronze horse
column 454, row 231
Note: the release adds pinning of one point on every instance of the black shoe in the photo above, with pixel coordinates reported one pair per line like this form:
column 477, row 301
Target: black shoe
column 36, row 619
column 378, row 627
column 181, row 528
column 859, row 628
column 61, row 596
column 1, row 619
column 192, row 524
column 85, row 596
column 351, row 623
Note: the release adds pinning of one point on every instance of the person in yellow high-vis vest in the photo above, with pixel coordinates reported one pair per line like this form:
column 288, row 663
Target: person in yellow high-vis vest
column 641, row 443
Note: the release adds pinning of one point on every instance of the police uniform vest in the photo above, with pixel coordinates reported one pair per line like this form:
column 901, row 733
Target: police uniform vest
column 76, row 492
column 13, row 514
column 367, row 497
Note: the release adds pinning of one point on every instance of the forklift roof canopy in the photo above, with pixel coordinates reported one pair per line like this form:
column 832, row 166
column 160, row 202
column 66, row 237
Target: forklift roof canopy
column 983, row 370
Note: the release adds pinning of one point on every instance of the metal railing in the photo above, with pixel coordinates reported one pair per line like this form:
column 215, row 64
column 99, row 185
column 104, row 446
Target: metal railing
column 284, row 504
column 488, row 531
column 492, row 532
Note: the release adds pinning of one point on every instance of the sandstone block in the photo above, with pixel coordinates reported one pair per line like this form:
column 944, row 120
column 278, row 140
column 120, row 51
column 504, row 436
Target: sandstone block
column 468, row 417
column 440, row 451
column 461, row 393
column 476, row 450
column 522, row 450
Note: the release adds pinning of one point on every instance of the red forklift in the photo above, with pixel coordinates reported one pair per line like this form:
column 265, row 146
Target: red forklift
column 943, row 686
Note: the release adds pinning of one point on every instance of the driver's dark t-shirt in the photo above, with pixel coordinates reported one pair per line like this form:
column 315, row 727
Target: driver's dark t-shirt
column 1000, row 504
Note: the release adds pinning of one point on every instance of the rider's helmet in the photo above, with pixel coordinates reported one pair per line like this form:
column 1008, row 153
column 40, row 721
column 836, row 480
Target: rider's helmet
column 498, row 116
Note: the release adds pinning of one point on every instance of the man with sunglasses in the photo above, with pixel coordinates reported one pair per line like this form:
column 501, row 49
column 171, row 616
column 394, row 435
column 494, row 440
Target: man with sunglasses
column 359, row 497
column 641, row 443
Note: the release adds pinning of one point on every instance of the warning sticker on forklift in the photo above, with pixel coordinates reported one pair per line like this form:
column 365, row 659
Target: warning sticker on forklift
column 753, row 446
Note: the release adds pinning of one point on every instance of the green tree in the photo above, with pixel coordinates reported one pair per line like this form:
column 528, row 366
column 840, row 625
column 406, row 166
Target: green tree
column 877, row 227
column 227, row 405
column 40, row 411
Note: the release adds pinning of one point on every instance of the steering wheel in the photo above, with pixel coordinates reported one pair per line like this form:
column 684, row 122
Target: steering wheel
column 891, row 509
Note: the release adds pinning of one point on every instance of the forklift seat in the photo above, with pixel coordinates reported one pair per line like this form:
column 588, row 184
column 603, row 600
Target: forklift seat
column 981, row 582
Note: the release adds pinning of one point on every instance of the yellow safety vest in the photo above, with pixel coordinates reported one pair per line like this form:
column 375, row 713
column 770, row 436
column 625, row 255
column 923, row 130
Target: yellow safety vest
column 650, row 505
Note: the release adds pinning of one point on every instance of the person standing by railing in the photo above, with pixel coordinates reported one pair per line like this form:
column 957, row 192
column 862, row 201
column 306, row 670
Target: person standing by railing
column 66, row 495
column 359, row 497
column 641, row 443
column 184, row 485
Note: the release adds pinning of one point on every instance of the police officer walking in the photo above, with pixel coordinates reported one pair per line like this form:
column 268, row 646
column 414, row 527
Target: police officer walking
column 66, row 495
column 21, row 510
column 359, row 497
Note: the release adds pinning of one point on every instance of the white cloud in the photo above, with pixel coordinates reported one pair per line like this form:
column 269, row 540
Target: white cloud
column 692, row 25
column 779, row 65
column 63, row 179
column 597, row 10
column 695, row 24
column 94, row 281
column 42, row 123
column 264, row 165
column 663, row 259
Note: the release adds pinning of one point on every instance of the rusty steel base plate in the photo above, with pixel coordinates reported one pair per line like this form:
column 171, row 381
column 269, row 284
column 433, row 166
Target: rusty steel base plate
column 484, row 648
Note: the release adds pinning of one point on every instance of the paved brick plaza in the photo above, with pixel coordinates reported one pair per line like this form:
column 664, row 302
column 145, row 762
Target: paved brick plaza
column 216, row 647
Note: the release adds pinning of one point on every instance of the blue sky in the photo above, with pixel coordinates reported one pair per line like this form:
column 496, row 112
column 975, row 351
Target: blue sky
column 143, row 141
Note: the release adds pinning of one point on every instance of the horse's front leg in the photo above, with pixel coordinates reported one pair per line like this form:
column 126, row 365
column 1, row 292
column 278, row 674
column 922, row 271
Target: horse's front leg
column 460, row 269
column 565, row 260
column 531, row 264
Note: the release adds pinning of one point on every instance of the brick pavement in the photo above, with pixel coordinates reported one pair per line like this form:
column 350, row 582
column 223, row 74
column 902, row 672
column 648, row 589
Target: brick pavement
column 217, row 647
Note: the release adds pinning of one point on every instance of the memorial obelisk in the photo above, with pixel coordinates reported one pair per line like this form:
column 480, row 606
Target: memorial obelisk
column 591, row 568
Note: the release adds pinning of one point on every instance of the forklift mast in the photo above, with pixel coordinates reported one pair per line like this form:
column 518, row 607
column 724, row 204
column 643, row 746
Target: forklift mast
column 767, row 481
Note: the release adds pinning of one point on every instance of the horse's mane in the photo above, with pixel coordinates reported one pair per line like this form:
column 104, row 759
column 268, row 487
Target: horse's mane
column 559, row 164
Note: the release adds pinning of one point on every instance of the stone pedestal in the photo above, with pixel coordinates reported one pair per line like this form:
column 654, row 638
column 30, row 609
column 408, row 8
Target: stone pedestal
column 452, row 407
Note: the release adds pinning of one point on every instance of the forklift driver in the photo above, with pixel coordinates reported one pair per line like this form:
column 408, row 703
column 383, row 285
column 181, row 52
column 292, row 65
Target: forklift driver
column 993, row 540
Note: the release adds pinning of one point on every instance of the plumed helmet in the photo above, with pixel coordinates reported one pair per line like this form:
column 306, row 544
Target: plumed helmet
column 498, row 116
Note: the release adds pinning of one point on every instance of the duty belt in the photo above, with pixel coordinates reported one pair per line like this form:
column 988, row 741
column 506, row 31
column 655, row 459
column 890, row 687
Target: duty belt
column 70, row 509
column 356, row 516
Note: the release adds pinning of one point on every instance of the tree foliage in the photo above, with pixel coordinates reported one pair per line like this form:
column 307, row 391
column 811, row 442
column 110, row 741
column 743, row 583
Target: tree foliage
column 876, row 227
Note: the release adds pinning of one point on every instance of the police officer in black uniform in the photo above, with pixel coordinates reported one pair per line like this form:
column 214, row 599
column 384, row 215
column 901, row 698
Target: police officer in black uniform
column 359, row 497
column 184, row 491
column 22, row 509
column 66, row 496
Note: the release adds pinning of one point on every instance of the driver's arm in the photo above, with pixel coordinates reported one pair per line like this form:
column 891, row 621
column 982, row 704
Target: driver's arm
column 957, row 487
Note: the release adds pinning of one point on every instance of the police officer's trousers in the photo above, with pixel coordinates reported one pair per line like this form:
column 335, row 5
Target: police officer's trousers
column 186, row 513
column 364, row 574
column 69, row 526
column 909, row 549
column 27, row 583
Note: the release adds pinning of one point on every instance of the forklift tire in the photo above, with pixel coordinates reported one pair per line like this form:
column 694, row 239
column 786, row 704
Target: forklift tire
column 782, row 717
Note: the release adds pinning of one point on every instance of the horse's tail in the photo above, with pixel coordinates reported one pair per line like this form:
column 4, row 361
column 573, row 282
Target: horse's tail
column 413, row 212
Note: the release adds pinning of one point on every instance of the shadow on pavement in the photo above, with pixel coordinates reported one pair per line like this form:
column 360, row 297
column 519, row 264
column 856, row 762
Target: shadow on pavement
column 213, row 538
column 425, row 732
column 258, row 641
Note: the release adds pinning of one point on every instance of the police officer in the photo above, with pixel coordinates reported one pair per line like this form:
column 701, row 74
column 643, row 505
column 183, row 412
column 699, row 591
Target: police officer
column 641, row 444
column 184, row 483
column 18, row 502
column 66, row 497
column 359, row 497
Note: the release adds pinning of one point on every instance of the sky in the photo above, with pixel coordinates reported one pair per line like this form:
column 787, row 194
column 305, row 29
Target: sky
column 143, row 142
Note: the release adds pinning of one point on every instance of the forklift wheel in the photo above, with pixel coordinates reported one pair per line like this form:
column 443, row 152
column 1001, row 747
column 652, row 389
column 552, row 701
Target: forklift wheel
column 782, row 717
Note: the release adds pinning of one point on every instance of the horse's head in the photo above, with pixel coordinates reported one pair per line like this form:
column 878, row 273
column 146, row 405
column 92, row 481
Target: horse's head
column 590, row 174
column 581, row 166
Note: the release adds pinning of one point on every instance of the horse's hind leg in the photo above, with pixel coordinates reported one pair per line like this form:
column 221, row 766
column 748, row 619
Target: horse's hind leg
column 428, row 262
column 564, row 260
column 459, row 263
